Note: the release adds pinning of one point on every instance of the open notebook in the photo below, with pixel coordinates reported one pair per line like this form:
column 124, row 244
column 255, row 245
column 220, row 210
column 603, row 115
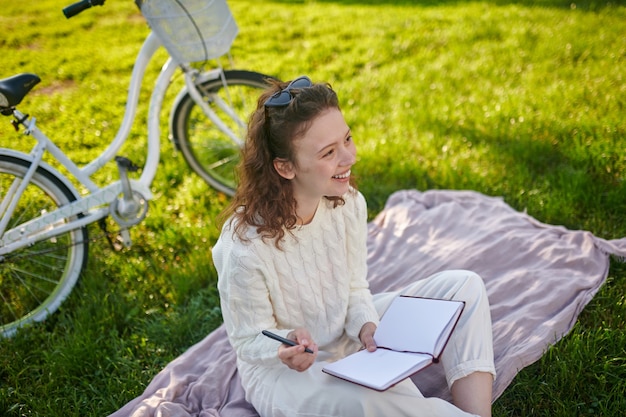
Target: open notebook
column 411, row 335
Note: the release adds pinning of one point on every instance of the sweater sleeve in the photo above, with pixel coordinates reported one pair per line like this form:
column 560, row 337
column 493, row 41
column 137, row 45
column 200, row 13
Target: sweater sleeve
column 245, row 301
column 361, row 305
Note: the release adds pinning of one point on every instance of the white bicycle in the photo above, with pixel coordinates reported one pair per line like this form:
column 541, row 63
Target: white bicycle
column 43, row 218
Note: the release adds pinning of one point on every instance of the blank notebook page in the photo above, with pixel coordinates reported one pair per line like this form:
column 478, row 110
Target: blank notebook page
column 378, row 369
column 413, row 324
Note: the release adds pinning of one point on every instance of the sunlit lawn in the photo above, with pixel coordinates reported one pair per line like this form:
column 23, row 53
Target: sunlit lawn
column 523, row 100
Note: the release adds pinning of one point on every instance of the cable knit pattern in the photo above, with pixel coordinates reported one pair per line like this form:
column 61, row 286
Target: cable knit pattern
column 317, row 281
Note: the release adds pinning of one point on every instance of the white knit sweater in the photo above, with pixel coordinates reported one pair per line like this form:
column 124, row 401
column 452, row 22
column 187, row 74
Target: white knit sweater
column 317, row 281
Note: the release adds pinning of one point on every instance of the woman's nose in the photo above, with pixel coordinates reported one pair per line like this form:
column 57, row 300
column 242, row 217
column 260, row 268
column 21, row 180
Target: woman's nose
column 348, row 156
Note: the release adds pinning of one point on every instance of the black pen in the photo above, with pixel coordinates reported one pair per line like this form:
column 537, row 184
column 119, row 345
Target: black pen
column 284, row 341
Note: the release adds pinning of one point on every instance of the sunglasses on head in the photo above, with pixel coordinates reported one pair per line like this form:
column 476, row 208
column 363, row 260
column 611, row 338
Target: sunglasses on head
column 284, row 97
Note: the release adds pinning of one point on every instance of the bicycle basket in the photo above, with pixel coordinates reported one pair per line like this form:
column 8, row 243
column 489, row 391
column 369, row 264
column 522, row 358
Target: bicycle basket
column 191, row 30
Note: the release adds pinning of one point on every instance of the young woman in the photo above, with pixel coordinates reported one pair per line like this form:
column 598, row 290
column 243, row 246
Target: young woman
column 292, row 259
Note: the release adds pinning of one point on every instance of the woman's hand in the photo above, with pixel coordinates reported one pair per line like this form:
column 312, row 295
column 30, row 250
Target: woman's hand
column 366, row 335
column 294, row 356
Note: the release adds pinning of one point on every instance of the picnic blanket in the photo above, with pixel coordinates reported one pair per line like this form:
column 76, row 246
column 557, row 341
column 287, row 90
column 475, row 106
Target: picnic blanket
column 539, row 277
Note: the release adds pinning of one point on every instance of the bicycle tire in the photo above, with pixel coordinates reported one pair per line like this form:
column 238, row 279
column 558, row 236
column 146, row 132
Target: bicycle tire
column 35, row 280
column 209, row 152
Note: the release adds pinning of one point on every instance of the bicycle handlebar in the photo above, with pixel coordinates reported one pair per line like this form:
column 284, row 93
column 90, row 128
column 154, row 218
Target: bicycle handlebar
column 75, row 8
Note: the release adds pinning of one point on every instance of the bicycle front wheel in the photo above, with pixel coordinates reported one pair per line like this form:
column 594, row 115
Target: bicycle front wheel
column 208, row 149
column 35, row 280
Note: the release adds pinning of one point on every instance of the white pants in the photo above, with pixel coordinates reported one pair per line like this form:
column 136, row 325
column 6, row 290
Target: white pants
column 314, row 393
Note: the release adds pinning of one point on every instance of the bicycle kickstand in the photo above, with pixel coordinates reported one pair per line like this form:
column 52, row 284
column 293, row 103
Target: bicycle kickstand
column 114, row 239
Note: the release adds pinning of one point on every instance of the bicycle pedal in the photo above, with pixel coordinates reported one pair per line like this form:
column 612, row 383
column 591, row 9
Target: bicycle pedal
column 126, row 163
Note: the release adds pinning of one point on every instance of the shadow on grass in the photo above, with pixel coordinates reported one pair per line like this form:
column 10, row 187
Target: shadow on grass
column 558, row 174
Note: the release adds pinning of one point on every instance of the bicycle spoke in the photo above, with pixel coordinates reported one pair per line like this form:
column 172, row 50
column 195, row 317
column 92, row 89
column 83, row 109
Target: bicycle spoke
column 33, row 275
column 29, row 286
column 31, row 253
column 35, row 278
column 211, row 145
column 222, row 162
column 7, row 305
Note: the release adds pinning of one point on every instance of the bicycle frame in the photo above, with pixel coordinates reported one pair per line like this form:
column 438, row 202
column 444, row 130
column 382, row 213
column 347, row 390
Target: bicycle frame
column 96, row 204
column 48, row 201
column 197, row 97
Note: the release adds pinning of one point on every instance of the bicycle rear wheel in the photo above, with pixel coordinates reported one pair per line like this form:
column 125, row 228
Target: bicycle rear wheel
column 208, row 150
column 35, row 280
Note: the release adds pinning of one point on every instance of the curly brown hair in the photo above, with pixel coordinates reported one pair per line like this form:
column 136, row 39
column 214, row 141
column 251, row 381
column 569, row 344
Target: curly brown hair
column 264, row 199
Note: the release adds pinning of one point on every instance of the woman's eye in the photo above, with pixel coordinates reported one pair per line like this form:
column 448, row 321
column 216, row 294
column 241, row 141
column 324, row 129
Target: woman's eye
column 330, row 152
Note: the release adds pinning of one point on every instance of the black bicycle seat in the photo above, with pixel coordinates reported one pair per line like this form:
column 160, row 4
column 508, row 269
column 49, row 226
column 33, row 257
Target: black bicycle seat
column 15, row 88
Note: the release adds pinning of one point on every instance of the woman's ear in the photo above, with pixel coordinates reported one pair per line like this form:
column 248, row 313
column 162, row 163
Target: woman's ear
column 284, row 168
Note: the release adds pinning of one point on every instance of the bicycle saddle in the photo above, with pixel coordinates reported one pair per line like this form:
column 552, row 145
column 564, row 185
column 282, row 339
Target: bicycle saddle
column 15, row 88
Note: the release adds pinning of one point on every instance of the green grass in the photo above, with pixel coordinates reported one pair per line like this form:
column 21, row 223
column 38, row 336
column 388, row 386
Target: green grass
column 523, row 100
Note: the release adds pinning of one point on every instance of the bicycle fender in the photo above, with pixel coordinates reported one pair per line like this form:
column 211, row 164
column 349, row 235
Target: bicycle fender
column 29, row 159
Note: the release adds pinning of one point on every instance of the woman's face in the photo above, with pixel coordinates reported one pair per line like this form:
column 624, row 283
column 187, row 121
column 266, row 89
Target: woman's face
column 323, row 158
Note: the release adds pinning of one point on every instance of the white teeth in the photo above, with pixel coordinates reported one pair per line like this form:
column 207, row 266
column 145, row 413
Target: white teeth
column 342, row 176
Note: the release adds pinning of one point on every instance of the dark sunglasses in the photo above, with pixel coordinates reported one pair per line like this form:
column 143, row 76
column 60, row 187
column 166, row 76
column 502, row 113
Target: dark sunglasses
column 284, row 97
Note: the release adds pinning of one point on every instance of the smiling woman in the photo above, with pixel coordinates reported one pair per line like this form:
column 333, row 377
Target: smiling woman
column 292, row 259
column 430, row 100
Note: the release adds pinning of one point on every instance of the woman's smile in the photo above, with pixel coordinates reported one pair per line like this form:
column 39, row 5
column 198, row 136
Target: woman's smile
column 343, row 177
